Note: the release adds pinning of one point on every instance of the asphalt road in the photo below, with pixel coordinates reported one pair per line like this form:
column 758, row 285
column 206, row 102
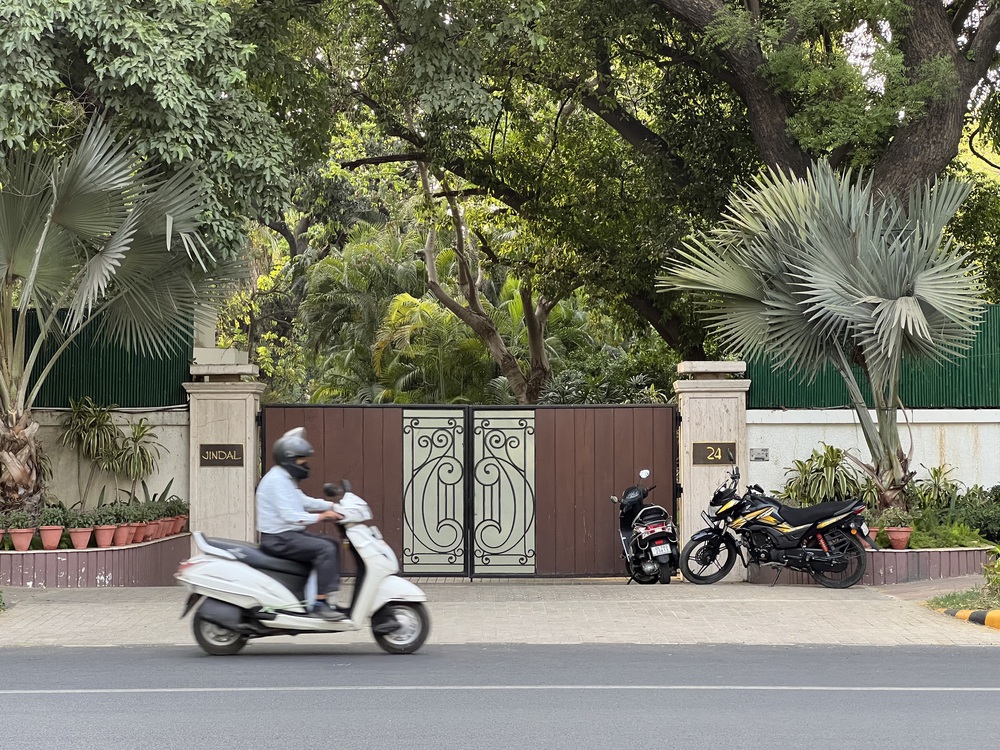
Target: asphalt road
column 496, row 697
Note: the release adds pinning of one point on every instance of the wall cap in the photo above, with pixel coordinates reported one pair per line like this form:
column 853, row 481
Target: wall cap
column 702, row 370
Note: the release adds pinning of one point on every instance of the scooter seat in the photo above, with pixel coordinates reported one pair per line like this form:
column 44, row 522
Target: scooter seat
column 249, row 553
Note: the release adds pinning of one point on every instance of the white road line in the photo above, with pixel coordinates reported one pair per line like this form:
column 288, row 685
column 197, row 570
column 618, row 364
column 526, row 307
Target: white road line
column 417, row 688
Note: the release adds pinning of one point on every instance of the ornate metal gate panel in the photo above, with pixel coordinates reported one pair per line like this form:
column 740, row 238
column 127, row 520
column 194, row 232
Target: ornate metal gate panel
column 434, row 529
column 503, row 492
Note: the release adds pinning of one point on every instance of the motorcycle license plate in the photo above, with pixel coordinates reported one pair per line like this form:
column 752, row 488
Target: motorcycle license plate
column 864, row 529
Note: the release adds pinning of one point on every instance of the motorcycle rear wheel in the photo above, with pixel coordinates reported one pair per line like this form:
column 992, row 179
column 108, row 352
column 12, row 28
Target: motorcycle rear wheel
column 644, row 578
column 666, row 573
column 704, row 554
column 857, row 561
column 215, row 639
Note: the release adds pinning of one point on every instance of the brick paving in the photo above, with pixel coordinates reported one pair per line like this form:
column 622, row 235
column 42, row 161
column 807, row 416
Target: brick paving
column 543, row 611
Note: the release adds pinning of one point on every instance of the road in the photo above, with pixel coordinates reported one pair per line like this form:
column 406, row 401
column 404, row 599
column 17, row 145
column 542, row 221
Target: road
column 496, row 696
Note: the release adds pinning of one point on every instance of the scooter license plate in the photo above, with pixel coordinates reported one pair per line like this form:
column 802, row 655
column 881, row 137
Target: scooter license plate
column 660, row 549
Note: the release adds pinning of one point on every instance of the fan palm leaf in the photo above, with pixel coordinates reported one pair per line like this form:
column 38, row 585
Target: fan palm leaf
column 819, row 270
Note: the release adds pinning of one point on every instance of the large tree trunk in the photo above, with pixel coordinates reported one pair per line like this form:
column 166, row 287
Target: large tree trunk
column 21, row 485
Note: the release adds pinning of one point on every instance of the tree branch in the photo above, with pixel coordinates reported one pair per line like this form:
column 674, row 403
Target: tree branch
column 387, row 159
column 982, row 47
column 281, row 228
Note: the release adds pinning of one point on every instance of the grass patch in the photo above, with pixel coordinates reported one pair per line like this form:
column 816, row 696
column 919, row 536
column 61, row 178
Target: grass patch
column 972, row 599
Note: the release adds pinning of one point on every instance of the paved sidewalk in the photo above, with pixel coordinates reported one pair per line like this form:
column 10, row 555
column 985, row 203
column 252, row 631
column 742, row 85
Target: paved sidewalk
column 543, row 611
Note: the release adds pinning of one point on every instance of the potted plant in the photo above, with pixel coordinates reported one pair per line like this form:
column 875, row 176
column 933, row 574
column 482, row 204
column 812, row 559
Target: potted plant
column 80, row 525
column 125, row 532
column 898, row 525
column 104, row 525
column 21, row 529
column 141, row 519
column 51, row 522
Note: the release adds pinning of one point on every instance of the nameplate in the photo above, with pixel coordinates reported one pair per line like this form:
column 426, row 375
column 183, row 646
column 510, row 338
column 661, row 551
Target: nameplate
column 713, row 453
column 220, row 454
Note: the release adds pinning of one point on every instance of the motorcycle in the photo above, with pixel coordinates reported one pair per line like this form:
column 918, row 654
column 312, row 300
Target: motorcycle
column 238, row 592
column 648, row 536
column 822, row 540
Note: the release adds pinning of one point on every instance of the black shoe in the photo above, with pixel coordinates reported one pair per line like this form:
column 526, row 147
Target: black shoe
column 323, row 609
column 386, row 626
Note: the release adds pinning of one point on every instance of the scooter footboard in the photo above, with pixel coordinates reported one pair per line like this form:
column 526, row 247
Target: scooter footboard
column 396, row 589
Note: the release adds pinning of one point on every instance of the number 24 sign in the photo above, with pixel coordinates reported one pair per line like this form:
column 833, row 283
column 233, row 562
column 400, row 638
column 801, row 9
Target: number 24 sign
column 713, row 453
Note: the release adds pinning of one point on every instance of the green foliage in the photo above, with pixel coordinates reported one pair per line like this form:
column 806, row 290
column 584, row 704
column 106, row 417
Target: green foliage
column 173, row 73
column 19, row 519
column 826, row 475
column 79, row 519
column 52, row 515
column 946, row 535
column 894, row 516
column 817, row 270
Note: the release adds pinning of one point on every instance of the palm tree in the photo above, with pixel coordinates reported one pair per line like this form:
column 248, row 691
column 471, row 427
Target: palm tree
column 96, row 237
column 819, row 270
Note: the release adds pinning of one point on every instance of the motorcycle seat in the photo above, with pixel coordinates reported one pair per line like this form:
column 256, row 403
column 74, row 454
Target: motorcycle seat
column 249, row 553
column 814, row 513
column 651, row 513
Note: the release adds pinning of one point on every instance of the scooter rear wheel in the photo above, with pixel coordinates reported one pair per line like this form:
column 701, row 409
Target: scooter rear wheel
column 414, row 626
column 215, row 639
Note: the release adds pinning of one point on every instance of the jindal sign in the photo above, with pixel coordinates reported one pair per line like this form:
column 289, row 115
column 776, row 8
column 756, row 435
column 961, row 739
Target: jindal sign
column 220, row 454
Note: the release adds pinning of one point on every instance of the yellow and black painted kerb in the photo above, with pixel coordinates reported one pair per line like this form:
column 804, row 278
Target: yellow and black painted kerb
column 988, row 617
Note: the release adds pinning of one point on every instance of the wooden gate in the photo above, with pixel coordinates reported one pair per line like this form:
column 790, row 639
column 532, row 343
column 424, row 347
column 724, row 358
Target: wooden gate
column 479, row 491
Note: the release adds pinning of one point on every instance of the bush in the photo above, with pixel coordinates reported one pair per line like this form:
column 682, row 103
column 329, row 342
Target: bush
column 826, row 475
column 946, row 535
column 52, row 515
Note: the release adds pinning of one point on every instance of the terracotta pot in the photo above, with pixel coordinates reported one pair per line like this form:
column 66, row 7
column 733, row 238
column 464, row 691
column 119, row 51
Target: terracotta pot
column 50, row 536
column 80, row 537
column 103, row 535
column 178, row 522
column 132, row 529
column 184, row 520
column 21, row 538
column 154, row 529
column 120, row 539
column 166, row 524
column 140, row 532
column 899, row 536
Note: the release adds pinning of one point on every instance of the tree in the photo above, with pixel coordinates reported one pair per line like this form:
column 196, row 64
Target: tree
column 89, row 238
column 173, row 75
column 817, row 269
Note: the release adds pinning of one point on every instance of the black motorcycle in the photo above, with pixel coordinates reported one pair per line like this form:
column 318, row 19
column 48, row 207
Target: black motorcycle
column 824, row 540
column 648, row 536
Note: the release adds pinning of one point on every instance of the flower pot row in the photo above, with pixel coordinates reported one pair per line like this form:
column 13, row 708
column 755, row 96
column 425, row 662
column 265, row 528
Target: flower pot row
column 104, row 535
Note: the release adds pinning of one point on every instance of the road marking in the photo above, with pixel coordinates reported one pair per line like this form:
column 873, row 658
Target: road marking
column 416, row 688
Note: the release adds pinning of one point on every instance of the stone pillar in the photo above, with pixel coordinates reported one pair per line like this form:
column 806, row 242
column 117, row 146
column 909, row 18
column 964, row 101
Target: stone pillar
column 224, row 460
column 713, row 417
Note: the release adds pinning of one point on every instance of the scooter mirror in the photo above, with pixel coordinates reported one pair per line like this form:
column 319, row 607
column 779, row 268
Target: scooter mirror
column 644, row 473
column 614, row 499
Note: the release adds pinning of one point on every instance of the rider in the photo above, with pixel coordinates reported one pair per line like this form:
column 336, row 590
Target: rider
column 284, row 511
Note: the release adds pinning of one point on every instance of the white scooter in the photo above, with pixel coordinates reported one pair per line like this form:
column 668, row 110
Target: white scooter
column 238, row 592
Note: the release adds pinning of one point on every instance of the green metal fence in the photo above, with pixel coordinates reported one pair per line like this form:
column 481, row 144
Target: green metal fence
column 971, row 382
column 109, row 374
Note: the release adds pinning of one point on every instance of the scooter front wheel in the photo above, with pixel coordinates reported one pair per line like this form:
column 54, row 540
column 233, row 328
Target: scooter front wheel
column 215, row 639
column 414, row 626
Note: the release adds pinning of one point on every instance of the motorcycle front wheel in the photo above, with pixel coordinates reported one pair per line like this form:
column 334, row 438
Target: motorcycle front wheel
column 414, row 626
column 709, row 560
column 856, row 560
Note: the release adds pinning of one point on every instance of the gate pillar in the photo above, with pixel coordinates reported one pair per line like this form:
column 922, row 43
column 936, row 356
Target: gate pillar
column 712, row 403
column 224, row 460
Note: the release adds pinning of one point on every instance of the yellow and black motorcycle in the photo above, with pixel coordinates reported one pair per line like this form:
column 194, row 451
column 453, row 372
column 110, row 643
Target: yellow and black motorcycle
column 824, row 540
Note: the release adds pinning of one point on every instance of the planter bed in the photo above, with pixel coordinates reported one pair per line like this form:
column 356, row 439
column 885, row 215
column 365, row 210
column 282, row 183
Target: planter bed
column 150, row 563
column 887, row 566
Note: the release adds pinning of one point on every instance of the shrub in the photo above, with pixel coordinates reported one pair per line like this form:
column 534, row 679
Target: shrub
column 52, row 515
column 826, row 475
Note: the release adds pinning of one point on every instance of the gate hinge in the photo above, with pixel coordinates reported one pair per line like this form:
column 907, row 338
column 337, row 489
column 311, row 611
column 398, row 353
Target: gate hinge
column 678, row 490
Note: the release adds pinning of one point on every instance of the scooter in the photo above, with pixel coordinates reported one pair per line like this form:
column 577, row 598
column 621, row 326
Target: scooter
column 648, row 536
column 238, row 592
